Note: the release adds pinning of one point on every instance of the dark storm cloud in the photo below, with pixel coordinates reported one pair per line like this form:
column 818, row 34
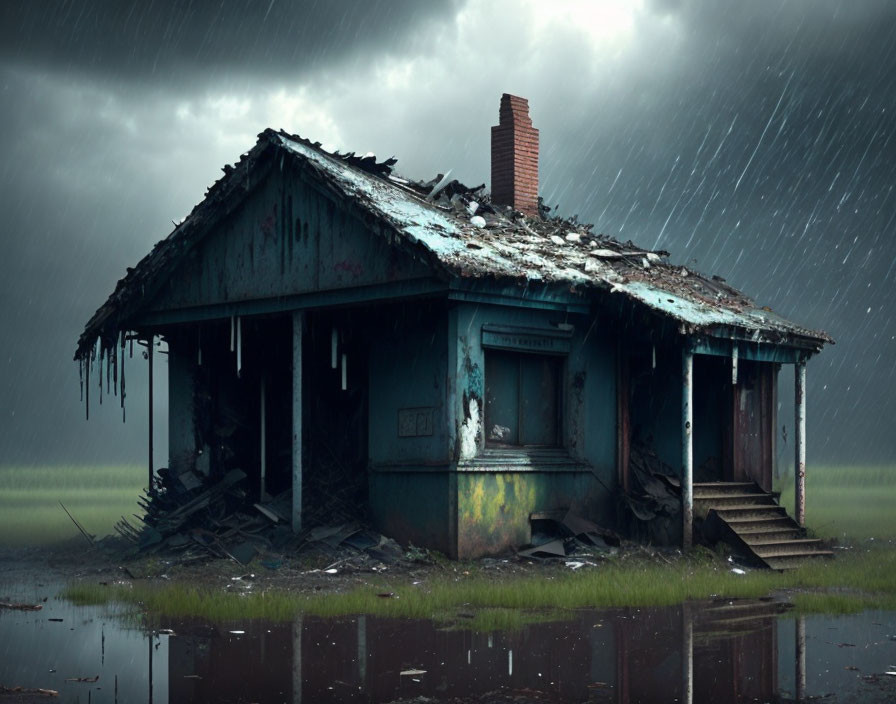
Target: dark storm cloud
column 146, row 39
column 765, row 151
column 751, row 139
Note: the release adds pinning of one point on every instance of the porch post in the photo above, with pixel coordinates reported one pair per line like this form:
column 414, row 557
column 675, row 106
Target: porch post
column 149, row 351
column 687, row 448
column 799, row 467
column 298, row 321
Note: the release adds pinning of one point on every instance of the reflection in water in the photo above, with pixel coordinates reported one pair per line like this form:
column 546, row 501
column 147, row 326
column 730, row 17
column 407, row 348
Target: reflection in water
column 717, row 653
column 55, row 646
column 725, row 652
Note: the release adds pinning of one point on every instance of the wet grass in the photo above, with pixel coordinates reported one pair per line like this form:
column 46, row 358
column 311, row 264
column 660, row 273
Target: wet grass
column 847, row 502
column 856, row 581
column 851, row 503
column 97, row 496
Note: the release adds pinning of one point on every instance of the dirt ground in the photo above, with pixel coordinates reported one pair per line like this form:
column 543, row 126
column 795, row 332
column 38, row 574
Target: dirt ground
column 313, row 570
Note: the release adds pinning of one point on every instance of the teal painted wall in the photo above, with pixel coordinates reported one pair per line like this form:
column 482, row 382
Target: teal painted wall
column 408, row 365
column 589, row 383
column 415, row 507
column 493, row 507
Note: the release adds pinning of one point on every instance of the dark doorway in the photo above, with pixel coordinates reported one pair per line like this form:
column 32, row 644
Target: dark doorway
column 244, row 394
column 335, row 417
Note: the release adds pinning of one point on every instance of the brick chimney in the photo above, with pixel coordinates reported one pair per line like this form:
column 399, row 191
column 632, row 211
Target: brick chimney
column 515, row 157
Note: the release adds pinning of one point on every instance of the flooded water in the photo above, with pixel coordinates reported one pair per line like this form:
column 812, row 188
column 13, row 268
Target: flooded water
column 717, row 652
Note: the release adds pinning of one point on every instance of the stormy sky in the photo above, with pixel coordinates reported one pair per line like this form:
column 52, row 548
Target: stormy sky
column 754, row 140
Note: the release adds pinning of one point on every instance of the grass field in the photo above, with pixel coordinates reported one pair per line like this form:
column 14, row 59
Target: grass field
column 848, row 503
column 853, row 504
column 853, row 582
column 30, row 513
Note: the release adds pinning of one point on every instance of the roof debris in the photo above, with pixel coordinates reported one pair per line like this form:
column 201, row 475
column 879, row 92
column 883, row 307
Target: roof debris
column 462, row 234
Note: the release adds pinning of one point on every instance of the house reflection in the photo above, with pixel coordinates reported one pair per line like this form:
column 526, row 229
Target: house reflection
column 716, row 652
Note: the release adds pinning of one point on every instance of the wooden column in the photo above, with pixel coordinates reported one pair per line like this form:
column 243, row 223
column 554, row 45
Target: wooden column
column 799, row 467
column 149, row 355
column 298, row 322
column 687, row 448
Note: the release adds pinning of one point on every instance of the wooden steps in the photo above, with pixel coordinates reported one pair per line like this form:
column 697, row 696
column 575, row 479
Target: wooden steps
column 742, row 514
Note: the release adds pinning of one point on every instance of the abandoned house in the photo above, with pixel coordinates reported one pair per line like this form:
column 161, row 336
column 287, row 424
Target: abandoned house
column 468, row 361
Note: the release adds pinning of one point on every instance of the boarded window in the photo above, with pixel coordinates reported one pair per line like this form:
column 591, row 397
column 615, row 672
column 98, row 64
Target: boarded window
column 522, row 399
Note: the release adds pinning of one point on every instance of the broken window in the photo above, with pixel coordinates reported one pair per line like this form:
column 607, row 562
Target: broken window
column 522, row 399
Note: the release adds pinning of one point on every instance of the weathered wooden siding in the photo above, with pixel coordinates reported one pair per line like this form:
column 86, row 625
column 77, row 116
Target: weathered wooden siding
column 286, row 239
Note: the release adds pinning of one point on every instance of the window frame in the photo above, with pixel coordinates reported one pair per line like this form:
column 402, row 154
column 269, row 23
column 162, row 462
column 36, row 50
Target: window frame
column 557, row 365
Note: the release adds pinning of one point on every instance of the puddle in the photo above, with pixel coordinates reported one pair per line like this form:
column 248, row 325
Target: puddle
column 43, row 649
column 695, row 653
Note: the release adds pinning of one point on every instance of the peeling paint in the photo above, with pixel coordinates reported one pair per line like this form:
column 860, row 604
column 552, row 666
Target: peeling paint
column 470, row 430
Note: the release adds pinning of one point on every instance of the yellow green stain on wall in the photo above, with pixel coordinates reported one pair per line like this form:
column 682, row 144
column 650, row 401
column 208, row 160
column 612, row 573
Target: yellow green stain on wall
column 494, row 507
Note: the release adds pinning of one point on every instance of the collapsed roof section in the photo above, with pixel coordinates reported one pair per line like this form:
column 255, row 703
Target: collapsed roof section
column 462, row 234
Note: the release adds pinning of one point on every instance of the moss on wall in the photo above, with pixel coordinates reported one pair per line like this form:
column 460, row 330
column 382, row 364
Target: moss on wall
column 494, row 507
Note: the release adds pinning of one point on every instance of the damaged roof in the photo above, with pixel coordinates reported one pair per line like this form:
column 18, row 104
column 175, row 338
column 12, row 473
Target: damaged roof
column 461, row 233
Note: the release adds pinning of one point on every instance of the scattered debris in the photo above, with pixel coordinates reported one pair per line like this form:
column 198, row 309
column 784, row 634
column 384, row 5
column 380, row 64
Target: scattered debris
column 22, row 691
column 412, row 673
column 461, row 230
column 21, row 607
column 197, row 518
column 87, row 536
column 563, row 533
column 656, row 490
column 87, row 680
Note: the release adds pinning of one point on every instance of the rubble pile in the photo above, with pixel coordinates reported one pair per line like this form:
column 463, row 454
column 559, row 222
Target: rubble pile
column 192, row 514
column 197, row 517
